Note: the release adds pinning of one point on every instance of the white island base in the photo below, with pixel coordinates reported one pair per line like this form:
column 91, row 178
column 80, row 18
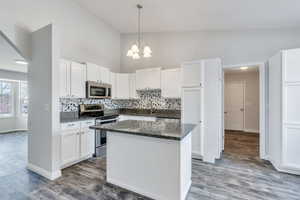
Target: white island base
column 154, row 167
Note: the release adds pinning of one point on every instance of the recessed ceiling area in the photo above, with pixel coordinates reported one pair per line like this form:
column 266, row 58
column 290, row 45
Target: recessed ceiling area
column 192, row 15
column 241, row 69
column 9, row 56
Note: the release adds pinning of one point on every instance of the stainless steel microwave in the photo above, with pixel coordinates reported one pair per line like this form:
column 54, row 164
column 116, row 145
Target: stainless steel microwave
column 97, row 90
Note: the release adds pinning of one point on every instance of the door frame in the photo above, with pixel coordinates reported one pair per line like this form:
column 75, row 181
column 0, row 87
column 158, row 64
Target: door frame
column 262, row 105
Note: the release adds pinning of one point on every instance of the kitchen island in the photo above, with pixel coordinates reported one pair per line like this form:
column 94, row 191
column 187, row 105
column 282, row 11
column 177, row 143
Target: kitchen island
column 150, row 158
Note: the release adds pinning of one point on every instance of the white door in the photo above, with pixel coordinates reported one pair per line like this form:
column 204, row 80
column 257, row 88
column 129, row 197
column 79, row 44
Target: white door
column 192, row 114
column 70, row 147
column 78, row 79
column 234, row 106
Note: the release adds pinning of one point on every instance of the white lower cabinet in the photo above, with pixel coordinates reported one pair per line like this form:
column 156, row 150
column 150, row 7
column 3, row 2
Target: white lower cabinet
column 192, row 113
column 70, row 147
column 77, row 142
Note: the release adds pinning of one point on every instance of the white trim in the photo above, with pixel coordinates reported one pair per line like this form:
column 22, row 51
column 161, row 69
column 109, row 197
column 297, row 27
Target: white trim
column 14, row 130
column 186, row 190
column 47, row 174
column 262, row 103
column 251, row 130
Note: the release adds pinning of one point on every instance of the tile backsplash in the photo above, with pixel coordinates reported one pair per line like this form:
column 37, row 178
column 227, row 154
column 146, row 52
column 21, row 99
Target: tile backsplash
column 146, row 100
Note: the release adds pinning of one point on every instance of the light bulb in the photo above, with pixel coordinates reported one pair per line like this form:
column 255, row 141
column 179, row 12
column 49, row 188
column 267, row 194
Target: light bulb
column 147, row 50
column 129, row 53
column 136, row 56
column 244, row 68
column 147, row 55
column 135, row 48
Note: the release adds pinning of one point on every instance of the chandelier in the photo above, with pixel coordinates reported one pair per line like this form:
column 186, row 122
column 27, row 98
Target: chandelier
column 135, row 50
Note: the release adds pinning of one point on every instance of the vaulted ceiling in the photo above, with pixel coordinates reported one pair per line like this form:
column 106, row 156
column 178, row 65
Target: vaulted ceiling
column 192, row 15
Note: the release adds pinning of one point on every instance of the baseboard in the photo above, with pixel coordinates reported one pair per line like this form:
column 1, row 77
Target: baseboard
column 285, row 169
column 136, row 190
column 251, row 130
column 13, row 130
column 197, row 155
column 186, row 190
column 75, row 162
column 49, row 175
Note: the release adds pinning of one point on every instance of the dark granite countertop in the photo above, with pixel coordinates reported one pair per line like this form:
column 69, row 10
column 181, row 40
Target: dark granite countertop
column 76, row 119
column 158, row 129
column 160, row 113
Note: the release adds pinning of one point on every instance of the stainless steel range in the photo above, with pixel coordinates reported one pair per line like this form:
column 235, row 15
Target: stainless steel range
column 101, row 117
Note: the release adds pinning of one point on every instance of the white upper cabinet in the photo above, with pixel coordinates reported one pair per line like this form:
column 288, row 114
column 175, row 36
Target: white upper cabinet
column 97, row 73
column 132, row 86
column 64, row 78
column 122, row 82
column 192, row 74
column 148, row 79
column 104, row 75
column 93, row 72
column 78, row 80
column 171, row 83
column 113, row 85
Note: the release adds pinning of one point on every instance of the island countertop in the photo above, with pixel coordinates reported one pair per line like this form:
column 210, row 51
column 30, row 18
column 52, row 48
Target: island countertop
column 158, row 129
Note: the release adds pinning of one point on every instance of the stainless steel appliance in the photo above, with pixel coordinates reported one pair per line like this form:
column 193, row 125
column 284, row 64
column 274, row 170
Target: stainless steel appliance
column 101, row 117
column 97, row 90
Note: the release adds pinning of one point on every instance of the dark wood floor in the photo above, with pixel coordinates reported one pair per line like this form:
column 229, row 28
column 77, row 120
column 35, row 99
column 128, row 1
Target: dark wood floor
column 242, row 143
column 235, row 176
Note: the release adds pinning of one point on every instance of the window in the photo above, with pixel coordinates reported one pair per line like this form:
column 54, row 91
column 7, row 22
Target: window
column 23, row 97
column 6, row 98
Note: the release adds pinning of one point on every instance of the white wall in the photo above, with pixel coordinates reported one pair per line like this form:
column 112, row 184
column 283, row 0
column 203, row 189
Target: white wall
column 83, row 36
column 43, row 116
column 171, row 49
column 251, row 80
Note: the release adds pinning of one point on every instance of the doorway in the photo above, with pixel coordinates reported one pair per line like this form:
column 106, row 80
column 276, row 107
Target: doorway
column 242, row 111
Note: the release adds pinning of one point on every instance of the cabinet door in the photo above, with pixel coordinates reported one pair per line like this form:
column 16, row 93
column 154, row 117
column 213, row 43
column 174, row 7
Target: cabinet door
column 148, row 79
column 123, row 86
column 113, row 85
column 87, row 143
column 78, row 80
column 171, row 83
column 64, row 78
column 192, row 114
column 93, row 72
column 154, row 78
column 132, row 86
column 70, row 147
column 192, row 74
column 104, row 74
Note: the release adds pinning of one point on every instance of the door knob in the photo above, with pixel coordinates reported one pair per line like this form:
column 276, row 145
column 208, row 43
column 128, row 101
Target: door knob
column 242, row 109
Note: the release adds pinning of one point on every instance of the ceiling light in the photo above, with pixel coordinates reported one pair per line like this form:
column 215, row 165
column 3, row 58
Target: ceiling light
column 244, row 68
column 21, row 62
column 134, row 51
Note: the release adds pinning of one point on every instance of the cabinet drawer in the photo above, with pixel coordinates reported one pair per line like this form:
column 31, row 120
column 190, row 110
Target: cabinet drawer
column 70, row 126
column 87, row 124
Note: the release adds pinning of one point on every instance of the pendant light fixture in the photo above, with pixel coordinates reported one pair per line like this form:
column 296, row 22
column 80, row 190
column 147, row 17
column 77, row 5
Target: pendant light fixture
column 135, row 50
